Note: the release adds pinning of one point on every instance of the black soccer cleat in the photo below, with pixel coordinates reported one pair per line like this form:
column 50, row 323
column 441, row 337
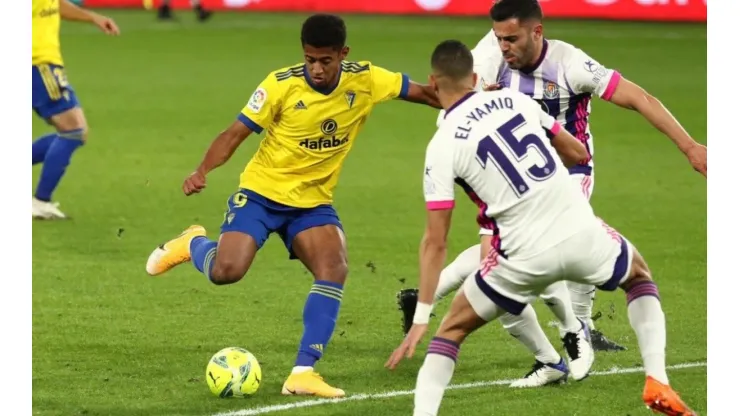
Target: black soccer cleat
column 406, row 299
column 601, row 343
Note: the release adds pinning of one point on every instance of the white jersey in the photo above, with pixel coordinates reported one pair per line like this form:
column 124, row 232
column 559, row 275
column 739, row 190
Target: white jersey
column 563, row 81
column 493, row 144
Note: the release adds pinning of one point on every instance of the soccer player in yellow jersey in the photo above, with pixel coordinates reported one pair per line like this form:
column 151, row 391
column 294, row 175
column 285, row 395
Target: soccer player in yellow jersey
column 53, row 98
column 311, row 114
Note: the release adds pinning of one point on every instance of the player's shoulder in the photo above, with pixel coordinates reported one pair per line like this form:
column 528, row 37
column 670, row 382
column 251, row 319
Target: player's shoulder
column 565, row 53
column 288, row 73
column 357, row 68
column 486, row 48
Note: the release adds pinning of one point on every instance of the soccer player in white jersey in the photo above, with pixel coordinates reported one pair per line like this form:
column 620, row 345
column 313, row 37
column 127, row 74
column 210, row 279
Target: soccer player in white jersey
column 494, row 143
column 563, row 79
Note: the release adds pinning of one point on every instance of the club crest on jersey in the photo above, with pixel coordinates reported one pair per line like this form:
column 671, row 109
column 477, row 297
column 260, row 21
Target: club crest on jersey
column 257, row 100
column 329, row 127
column 350, row 97
column 550, row 90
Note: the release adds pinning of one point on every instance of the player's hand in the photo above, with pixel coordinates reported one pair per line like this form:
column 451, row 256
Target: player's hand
column 107, row 25
column 408, row 346
column 194, row 183
column 492, row 87
column 698, row 157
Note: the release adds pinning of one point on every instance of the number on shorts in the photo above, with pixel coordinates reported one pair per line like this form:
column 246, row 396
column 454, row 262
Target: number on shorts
column 488, row 149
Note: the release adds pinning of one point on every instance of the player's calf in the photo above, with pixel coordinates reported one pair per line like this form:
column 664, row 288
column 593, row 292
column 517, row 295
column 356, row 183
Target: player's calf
column 230, row 263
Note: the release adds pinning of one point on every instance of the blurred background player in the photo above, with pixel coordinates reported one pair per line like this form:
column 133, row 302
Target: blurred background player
column 548, row 231
column 563, row 79
column 312, row 113
column 164, row 12
column 54, row 100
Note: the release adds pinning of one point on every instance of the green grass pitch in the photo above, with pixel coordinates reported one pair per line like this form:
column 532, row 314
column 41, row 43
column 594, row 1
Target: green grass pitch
column 110, row 340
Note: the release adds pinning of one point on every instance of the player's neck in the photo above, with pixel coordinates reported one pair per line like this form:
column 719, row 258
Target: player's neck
column 450, row 99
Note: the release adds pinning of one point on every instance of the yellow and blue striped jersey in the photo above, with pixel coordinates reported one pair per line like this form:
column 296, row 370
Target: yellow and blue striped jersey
column 309, row 132
column 45, row 38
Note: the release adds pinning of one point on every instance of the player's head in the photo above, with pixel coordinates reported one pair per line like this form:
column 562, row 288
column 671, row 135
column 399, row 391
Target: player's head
column 323, row 37
column 517, row 25
column 452, row 70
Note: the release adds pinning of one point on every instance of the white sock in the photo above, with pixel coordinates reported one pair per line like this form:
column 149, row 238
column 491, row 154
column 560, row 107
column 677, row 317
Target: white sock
column 301, row 369
column 528, row 331
column 582, row 298
column 647, row 319
column 434, row 376
column 454, row 274
column 557, row 298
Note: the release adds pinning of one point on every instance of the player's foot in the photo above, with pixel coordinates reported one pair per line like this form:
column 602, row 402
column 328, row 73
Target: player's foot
column 45, row 210
column 201, row 13
column 406, row 300
column 173, row 252
column 543, row 374
column 310, row 383
column 579, row 352
column 601, row 343
column 663, row 399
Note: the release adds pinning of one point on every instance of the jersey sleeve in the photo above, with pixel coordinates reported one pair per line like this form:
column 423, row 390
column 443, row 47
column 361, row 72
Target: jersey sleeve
column 387, row 85
column 486, row 60
column 439, row 177
column 263, row 105
column 586, row 75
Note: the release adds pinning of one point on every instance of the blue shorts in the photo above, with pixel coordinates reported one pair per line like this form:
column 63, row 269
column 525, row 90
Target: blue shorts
column 51, row 93
column 253, row 214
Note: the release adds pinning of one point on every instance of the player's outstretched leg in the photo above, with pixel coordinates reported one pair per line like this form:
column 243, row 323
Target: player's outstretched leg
column 451, row 278
column 439, row 364
column 55, row 152
column 549, row 366
column 573, row 332
column 323, row 251
column 648, row 321
column 582, row 296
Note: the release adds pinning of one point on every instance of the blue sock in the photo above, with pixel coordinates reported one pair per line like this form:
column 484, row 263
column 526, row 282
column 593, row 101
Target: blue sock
column 40, row 147
column 56, row 161
column 319, row 319
column 203, row 254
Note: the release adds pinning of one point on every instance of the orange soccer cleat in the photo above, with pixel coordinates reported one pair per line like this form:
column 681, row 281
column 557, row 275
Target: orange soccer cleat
column 661, row 398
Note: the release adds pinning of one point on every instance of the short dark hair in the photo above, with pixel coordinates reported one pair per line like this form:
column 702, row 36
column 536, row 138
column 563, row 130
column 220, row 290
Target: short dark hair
column 452, row 59
column 516, row 9
column 324, row 31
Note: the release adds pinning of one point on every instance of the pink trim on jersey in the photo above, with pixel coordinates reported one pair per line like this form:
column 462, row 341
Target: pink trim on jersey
column 614, row 234
column 555, row 129
column 613, row 82
column 491, row 259
column 438, row 205
column 586, row 186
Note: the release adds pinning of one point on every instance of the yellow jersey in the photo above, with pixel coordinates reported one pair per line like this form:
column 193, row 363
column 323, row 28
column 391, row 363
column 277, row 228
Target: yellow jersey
column 45, row 28
column 308, row 131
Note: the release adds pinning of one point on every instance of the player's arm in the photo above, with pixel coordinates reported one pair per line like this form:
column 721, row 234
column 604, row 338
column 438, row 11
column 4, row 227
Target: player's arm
column 631, row 96
column 587, row 75
column 70, row 11
column 570, row 149
column 258, row 113
column 387, row 85
column 439, row 194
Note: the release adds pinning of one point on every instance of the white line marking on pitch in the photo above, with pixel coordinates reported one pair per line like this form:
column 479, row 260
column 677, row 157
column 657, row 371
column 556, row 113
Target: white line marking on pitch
column 388, row 394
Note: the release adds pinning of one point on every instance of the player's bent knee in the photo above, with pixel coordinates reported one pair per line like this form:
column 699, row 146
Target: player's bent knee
column 336, row 271
column 72, row 120
column 226, row 272
column 639, row 272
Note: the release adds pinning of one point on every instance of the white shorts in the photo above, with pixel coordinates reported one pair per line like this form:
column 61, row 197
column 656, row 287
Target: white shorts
column 597, row 255
column 584, row 182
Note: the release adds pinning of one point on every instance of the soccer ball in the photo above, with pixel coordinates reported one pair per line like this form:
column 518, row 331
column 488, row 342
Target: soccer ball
column 233, row 372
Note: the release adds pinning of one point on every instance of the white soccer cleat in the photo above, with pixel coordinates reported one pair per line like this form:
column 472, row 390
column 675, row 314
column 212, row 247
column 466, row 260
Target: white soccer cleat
column 579, row 352
column 46, row 210
column 543, row 374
